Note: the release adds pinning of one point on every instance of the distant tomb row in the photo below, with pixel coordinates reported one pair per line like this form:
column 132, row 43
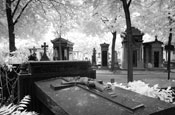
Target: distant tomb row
column 145, row 55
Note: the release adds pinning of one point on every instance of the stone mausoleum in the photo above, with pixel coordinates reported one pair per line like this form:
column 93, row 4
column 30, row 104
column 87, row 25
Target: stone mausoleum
column 153, row 53
column 63, row 49
column 137, row 49
column 145, row 55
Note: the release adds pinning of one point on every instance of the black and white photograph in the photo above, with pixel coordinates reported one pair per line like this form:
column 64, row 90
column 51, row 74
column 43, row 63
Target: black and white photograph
column 87, row 57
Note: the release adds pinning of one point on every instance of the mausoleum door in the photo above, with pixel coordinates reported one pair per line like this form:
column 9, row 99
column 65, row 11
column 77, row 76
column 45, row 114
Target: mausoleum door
column 156, row 59
column 104, row 58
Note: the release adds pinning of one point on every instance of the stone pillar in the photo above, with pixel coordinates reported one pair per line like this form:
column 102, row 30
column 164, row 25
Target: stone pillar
column 94, row 57
column 104, row 54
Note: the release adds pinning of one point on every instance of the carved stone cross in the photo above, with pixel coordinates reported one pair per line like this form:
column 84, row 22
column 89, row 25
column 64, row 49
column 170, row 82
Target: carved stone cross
column 44, row 46
column 44, row 56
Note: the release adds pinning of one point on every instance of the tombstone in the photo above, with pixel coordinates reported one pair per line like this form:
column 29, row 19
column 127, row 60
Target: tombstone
column 63, row 49
column 32, row 56
column 137, row 49
column 153, row 53
column 94, row 57
column 44, row 56
column 104, row 54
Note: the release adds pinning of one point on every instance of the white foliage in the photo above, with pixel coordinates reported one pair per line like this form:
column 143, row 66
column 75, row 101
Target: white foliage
column 153, row 17
column 144, row 89
column 19, row 56
column 19, row 109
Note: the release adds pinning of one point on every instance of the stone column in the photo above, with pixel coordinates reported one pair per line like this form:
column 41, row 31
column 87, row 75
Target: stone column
column 94, row 57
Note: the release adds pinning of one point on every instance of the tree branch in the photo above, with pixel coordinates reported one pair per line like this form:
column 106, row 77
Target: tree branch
column 14, row 11
column 129, row 3
column 22, row 11
column 104, row 20
column 56, row 2
column 55, row 8
column 13, row 1
column 42, row 6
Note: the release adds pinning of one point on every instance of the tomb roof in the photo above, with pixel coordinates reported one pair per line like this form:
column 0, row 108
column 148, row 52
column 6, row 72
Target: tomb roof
column 61, row 40
column 136, row 31
column 152, row 42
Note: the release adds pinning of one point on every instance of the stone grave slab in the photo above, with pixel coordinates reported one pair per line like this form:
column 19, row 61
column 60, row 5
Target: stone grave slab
column 80, row 100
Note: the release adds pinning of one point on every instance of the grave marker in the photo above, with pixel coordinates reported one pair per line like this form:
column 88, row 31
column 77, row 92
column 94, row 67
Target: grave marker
column 44, row 56
column 32, row 56
column 94, row 57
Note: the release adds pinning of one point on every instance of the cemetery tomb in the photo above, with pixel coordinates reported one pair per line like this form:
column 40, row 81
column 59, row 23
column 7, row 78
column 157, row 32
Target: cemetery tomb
column 62, row 88
column 104, row 54
column 79, row 99
column 153, row 53
column 63, row 49
column 34, row 71
column 137, row 49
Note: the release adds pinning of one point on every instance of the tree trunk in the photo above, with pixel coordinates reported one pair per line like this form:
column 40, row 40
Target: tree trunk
column 129, row 41
column 113, row 50
column 10, row 26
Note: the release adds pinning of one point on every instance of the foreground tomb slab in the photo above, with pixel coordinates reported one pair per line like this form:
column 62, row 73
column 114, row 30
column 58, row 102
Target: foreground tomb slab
column 80, row 100
column 152, row 106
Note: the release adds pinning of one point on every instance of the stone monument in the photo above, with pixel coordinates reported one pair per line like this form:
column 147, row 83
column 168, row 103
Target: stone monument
column 32, row 56
column 104, row 54
column 44, row 56
column 63, row 49
column 94, row 57
column 153, row 53
column 137, row 49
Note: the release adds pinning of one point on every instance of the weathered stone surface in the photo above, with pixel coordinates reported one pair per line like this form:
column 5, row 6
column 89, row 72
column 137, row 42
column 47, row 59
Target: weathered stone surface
column 35, row 71
column 80, row 100
column 77, row 100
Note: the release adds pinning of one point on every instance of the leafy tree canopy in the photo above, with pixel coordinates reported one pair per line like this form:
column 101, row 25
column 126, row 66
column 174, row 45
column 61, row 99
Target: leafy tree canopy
column 39, row 16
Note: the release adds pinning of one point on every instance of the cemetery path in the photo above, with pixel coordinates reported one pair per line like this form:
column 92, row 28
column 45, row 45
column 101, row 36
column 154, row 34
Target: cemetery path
column 151, row 77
